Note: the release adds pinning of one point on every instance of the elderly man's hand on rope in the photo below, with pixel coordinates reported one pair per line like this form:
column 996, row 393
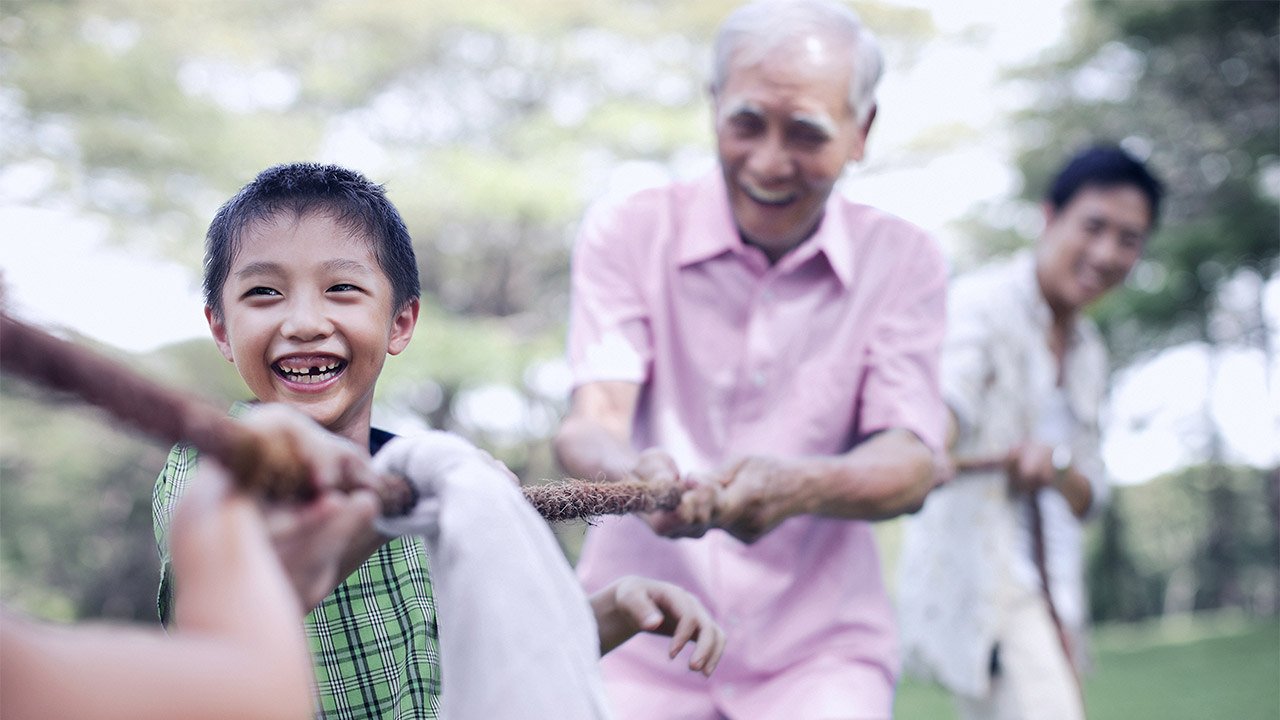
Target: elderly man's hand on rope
column 755, row 494
column 634, row 604
column 693, row 517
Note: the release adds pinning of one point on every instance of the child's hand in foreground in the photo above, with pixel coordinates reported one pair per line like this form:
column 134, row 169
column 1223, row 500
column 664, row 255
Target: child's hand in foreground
column 297, row 458
column 633, row 604
column 320, row 519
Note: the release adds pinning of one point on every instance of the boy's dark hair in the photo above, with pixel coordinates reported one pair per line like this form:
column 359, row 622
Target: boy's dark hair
column 1104, row 166
column 302, row 188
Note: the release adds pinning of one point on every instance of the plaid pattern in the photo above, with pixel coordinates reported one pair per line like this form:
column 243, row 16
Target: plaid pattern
column 373, row 640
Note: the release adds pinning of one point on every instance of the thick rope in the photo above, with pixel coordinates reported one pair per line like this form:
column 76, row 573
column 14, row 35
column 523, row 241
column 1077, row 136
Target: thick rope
column 572, row 499
column 256, row 461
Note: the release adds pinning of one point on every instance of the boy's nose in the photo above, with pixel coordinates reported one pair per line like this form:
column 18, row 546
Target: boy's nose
column 306, row 321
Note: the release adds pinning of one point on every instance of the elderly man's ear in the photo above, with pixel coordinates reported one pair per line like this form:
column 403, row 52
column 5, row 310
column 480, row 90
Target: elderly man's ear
column 859, row 148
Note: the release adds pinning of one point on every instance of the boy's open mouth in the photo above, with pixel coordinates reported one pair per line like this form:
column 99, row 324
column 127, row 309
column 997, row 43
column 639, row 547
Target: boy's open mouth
column 309, row 370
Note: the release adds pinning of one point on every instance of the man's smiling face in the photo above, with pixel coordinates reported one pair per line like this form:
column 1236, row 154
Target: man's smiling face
column 1089, row 246
column 307, row 319
column 784, row 132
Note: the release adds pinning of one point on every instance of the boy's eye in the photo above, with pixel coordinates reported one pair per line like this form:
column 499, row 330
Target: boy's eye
column 344, row 287
column 261, row 291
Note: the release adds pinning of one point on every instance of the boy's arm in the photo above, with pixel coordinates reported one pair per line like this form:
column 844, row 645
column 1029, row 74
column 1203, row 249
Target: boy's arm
column 313, row 537
column 632, row 604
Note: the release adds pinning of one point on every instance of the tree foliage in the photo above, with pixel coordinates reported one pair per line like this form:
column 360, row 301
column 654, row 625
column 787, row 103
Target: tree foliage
column 1194, row 87
column 1156, row 550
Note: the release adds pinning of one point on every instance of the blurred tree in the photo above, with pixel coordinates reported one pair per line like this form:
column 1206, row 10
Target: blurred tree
column 1118, row 587
column 75, row 516
column 1160, row 559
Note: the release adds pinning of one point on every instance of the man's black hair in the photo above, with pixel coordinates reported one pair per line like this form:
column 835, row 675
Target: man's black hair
column 300, row 189
column 1104, row 166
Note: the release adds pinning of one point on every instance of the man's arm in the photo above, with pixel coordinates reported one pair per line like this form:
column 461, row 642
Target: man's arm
column 1030, row 467
column 594, row 441
column 885, row 476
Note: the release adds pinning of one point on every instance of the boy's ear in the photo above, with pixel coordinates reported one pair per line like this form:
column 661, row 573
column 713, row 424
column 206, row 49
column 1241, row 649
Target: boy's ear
column 402, row 327
column 219, row 330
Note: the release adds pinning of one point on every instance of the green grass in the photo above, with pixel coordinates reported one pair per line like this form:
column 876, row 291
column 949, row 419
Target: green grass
column 1192, row 669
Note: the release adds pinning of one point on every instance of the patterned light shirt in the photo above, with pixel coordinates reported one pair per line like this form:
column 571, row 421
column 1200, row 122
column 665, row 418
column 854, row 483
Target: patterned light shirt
column 967, row 555
column 738, row 357
column 373, row 640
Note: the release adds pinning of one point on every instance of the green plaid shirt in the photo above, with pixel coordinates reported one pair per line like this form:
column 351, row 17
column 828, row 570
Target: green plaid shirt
column 373, row 640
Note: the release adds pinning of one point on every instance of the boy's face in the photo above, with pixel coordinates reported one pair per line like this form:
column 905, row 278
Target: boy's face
column 308, row 319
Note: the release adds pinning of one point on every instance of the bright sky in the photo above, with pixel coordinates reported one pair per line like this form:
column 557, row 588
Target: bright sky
column 59, row 269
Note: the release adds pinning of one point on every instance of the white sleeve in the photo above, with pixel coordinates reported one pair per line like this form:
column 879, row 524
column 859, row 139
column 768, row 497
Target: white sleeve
column 518, row 639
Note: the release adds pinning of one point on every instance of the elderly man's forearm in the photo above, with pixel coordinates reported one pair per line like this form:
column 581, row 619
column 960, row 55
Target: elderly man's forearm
column 888, row 475
column 588, row 450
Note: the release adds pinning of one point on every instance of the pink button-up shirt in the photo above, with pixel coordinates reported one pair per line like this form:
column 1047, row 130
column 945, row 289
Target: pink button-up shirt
column 736, row 357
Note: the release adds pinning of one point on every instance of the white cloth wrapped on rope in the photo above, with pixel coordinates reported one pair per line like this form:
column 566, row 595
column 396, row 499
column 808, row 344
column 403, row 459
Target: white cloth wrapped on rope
column 517, row 635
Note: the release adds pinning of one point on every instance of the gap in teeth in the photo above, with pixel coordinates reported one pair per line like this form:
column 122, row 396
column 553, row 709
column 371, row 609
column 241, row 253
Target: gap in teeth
column 311, row 371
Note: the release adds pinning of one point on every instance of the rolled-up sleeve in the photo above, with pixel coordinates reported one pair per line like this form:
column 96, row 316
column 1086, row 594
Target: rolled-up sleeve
column 902, row 384
column 609, row 331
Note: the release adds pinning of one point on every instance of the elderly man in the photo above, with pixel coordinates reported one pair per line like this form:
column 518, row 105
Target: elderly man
column 774, row 346
column 1024, row 375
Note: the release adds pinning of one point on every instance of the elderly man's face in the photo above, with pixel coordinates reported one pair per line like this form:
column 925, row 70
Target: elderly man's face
column 784, row 132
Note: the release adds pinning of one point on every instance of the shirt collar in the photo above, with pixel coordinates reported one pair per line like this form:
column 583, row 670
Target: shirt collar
column 1029, row 288
column 713, row 233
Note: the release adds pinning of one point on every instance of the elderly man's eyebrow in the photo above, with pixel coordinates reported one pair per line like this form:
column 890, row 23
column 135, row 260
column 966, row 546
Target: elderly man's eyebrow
column 815, row 121
column 820, row 122
column 741, row 107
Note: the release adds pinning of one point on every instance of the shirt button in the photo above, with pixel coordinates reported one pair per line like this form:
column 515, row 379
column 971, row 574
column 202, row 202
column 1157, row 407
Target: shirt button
column 732, row 620
column 767, row 296
column 758, row 379
column 728, row 689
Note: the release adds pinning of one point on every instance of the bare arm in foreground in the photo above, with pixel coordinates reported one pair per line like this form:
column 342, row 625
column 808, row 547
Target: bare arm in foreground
column 240, row 652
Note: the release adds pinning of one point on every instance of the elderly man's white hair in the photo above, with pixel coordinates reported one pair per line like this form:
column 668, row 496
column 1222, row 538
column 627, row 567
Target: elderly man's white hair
column 758, row 27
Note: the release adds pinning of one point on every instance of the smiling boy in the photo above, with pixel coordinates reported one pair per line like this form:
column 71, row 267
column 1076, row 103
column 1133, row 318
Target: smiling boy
column 310, row 282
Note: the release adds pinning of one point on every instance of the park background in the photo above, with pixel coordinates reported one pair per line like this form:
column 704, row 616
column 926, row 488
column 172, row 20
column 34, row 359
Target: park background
column 125, row 123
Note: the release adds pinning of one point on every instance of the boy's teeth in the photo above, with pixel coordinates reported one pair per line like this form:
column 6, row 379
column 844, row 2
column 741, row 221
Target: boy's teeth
column 313, row 374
